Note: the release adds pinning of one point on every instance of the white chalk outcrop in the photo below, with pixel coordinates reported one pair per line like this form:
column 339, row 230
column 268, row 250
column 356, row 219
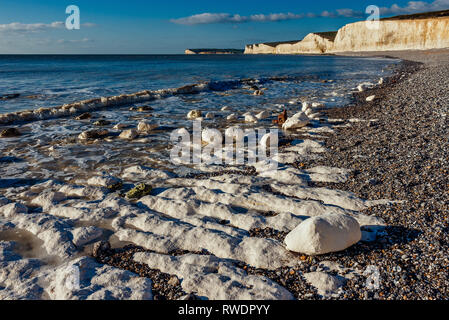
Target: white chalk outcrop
column 406, row 34
column 324, row 234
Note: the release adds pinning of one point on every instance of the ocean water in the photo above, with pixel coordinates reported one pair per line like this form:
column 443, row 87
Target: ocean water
column 48, row 81
column 50, row 148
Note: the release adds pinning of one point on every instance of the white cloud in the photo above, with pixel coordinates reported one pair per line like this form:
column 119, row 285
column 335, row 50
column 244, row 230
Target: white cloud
column 33, row 27
column 84, row 40
column 36, row 27
column 416, row 7
column 209, row 18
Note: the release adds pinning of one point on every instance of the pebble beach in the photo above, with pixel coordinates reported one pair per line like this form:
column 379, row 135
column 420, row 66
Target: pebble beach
column 222, row 232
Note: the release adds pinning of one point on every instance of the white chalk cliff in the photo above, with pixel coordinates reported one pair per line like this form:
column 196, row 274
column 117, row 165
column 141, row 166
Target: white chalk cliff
column 411, row 34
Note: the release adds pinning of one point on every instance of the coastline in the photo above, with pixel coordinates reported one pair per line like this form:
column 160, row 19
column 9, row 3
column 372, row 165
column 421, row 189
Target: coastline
column 348, row 145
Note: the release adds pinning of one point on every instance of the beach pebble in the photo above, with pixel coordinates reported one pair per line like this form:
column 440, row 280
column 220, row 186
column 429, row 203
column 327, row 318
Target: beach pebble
column 210, row 115
column 324, row 234
column 232, row 117
column 129, row 134
column 101, row 123
column 225, row 108
column 318, row 105
column 258, row 93
column 361, row 88
column 299, row 120
column 194, row 114
column 370, row 98
column 381, row 81
column 326, row 284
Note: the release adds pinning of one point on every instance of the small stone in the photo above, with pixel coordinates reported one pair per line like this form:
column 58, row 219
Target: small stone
column 370, row 98
column 84, row 116
column 102, row 123
column 146, row 126
column 129, row 134
column 258, row 93
column 100, row 247
column 10, row 133
column 93, row 134
column 174, row 281
column 194, row 114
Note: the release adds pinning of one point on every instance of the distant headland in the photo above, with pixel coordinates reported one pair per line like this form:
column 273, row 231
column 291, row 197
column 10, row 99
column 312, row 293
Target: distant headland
column 214, row 51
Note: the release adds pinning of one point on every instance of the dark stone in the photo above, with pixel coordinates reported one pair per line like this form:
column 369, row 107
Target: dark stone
column 9, row 133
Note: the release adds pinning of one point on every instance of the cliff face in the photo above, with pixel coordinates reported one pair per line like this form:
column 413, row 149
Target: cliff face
column 413, row 34
column 394, row 35
column 313, row 43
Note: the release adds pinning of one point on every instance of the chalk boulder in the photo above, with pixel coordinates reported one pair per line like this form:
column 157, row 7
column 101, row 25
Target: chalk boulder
column 324, row 234
column 299, row 120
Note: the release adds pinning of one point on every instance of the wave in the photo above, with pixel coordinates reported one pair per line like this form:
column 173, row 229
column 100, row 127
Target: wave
column 75, row 108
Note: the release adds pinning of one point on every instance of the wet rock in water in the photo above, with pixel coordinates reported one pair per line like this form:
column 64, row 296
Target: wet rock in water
column 144, row 109
column 249, row 118
column 324, row 234
column 84, row 116
column 210, row 115
column 299, row 120
column 145, row 126
column 129, row 134
column 10, row 133
column 258, row 93
column 10, row 96
column 93, row 134
column 225, row 108
column 102, row 123
column 139, row 191
column 120, row 126
column 100, row 247
column 263, row 115
column 305, row 106
column 232, row 117
column 194, row 114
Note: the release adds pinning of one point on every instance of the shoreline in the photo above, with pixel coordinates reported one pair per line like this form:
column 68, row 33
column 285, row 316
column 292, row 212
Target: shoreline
column 366, row 128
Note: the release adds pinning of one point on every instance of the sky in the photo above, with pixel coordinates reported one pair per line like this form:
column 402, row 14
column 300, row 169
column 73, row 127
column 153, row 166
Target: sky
column 171, row 26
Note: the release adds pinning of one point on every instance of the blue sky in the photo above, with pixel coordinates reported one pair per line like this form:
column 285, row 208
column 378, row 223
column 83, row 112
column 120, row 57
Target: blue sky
column 171, row 26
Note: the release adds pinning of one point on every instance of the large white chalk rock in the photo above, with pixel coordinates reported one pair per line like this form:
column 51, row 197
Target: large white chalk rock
column 328, row 233
column 299, row 120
